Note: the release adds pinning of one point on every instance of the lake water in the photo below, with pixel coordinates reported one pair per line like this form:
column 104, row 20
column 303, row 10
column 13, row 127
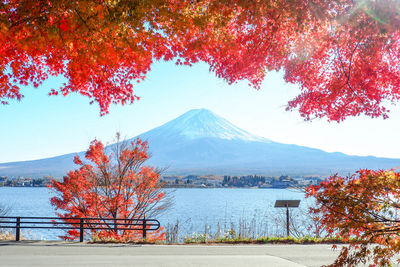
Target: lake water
column 193, row 208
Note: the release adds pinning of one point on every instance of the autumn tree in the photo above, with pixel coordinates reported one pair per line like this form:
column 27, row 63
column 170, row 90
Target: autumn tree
column 343, row 54
column 114, row 185
column 364, row 210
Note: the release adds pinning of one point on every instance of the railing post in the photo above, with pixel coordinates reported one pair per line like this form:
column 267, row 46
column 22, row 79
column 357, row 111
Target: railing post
column 18, row 229
column 81, row 230
column 287, row 221
column 144, row 227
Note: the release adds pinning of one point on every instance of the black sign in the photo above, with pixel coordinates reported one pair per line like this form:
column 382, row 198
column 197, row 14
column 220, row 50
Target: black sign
column 287, row 203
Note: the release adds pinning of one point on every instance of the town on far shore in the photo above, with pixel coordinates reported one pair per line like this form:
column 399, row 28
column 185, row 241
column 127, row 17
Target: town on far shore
column 194, row 181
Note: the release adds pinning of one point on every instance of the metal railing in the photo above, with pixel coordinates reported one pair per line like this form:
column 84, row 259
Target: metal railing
column 144, row 225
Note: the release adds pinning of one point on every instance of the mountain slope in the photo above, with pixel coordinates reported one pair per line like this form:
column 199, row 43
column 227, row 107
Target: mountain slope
column 201, row 142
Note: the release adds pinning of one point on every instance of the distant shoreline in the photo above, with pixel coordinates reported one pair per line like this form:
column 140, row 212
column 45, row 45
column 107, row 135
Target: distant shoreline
column 186, row 187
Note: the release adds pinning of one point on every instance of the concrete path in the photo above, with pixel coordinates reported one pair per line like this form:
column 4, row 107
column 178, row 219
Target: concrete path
column 43, row 253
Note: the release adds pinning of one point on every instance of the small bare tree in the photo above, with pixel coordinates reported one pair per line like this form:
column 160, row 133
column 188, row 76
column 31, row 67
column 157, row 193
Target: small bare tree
column 4, row 210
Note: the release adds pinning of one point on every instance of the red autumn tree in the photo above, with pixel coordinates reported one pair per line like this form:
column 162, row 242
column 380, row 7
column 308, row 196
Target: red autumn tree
column 114, row 186
column 343, row 54
column 364, row 210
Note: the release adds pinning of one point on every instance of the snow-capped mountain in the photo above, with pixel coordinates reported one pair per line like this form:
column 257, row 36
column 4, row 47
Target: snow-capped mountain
column 202, row 123
column 201, row 142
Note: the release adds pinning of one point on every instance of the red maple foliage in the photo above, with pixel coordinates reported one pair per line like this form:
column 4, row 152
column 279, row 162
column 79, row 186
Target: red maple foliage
column 364, row 210
column 115, row 186
column 343, row 54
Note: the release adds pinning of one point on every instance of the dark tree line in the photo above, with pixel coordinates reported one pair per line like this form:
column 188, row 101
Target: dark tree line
column 241, row 181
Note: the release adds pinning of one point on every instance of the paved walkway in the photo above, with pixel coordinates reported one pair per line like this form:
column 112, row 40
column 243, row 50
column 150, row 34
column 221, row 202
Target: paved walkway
column 43, row 253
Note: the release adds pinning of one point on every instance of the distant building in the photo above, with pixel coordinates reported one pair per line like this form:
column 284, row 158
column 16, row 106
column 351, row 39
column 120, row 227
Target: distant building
column 3, row 180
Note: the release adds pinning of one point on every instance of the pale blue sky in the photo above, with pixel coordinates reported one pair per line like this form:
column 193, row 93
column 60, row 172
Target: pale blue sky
column 42, row 126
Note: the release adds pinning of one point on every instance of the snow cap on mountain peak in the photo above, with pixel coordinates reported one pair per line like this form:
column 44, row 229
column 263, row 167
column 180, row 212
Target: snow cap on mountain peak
column 202, row 123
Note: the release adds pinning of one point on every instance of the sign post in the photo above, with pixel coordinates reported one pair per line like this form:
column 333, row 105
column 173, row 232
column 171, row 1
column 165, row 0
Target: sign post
column 287, row 204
